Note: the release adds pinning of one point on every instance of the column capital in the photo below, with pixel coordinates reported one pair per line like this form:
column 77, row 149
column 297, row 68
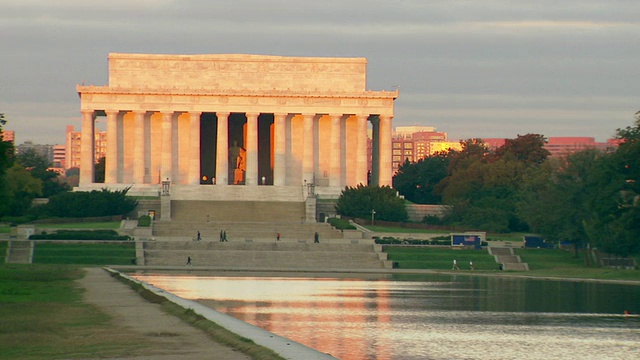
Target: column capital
column 112, row 112
column 88, row 112
column 252, row 114
column 194, row 113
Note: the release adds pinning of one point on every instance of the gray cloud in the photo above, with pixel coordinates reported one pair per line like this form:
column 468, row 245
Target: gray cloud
column 481, row 68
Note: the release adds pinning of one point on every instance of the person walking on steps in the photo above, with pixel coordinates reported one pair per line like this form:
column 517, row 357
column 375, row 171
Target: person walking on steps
column 316, row 238
column 188, row 260
column 198, row 238
column 455, row 265
column 278, row 237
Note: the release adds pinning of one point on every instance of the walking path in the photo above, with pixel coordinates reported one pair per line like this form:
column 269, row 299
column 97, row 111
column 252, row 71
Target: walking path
column 148, row 320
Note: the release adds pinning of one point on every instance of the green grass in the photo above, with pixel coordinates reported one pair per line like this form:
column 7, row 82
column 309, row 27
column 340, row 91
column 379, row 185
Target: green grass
column 85, row 254
column 44, row 317
column 81, row 225
column 410, row 257
column 4, row 229
column 3, row 251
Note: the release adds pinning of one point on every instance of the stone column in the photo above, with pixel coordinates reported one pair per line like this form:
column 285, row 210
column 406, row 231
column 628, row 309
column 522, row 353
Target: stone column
column 335, row 157
column 222, row 149
column 361, row 150
column 194, row 148
column 113, row 145
column 87, row 148
column 280, row 156
column 139, row 147
column 251, row 176
column 385, row 169
column 166, row 167
column 307, row 156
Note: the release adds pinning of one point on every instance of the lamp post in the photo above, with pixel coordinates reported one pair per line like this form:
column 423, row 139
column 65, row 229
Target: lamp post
column 373, row 216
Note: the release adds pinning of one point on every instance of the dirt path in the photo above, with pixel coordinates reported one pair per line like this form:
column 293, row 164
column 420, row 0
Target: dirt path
column 172, row 338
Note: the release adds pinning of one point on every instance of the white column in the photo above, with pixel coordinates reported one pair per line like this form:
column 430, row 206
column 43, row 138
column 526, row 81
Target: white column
column 194, row 148
column 222, row 149
column 87, row 148
column 335, row 157
column 138, row 147
column 361, row 150
column 385, row 169
column 251, row 177
column 308, row 153
column 280, row 156
column 113, row 145
column 167, row 146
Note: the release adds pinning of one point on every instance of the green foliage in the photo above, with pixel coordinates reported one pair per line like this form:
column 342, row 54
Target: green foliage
column 390, row 240
column 38, row 166
column 144, row 221
column 359, row 201
column 340, row 224
column 21, row 188
column 80, row 235
column 418, row 181
column 89, row 204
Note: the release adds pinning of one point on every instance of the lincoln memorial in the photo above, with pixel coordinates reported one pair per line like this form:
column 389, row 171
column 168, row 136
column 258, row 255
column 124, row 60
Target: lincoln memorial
column 237, row 126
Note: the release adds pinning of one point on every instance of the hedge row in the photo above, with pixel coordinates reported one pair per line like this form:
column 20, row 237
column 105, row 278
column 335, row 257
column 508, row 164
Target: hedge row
column 80, row 235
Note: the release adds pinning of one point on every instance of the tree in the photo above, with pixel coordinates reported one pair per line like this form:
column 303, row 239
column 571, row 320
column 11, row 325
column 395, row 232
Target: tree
column 6, row 161
column 38, row 165
column 417, row 181
column 89, row 204
column 528, row 149
column 22, row 188
column 361, row 200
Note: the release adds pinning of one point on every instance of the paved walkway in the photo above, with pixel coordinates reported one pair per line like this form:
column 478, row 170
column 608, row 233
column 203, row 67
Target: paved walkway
column 149, row 321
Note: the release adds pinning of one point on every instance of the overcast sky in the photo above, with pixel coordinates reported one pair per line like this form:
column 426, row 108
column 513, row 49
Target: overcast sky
column 476, row 68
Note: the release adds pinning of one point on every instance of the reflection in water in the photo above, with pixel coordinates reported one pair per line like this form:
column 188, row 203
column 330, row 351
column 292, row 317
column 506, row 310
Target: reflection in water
column 434, row 317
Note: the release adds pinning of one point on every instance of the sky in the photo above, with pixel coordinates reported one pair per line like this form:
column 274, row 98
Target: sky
column 476, row 68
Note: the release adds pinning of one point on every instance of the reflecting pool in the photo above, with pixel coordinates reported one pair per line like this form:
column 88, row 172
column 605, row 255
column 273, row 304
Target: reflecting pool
column 429, row 316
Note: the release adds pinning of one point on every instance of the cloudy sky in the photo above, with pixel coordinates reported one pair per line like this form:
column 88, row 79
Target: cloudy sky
column 476, row 68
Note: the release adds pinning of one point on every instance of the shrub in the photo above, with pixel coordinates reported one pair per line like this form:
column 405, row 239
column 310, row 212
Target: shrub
column 89, row 204
column 341, row 224
column 359, row 201
column 144, row 221
column 80, row 235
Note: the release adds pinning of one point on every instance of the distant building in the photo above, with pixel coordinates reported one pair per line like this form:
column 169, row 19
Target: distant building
column 46, row 151
column 8, row 135
column 59, row 156
column 417, row 142
column 560, row 146
column 73, row 143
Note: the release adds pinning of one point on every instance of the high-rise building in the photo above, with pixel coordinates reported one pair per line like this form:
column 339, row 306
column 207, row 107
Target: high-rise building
column 560, row 146
column 413, row 143
column 46, row 151
column 73, row 143
column 59, row 156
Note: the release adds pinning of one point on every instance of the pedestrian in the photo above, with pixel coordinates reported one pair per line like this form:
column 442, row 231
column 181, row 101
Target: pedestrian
column 501, row 267
column 316, row 238
column 198, row 236
column 188, row 260
column 224, row 236
column 278, row 237
column 220, row 235
column 471, row 265
column 455, row 265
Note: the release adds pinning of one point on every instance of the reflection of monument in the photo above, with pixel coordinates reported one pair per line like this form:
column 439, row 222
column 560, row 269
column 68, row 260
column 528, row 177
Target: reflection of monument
column 236, row 159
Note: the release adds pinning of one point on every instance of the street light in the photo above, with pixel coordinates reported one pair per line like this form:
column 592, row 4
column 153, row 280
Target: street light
column 373, row 214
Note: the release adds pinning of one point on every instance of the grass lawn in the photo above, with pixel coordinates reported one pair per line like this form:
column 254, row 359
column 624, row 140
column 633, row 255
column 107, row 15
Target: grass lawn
column 410, row 257
column 81, row 225
column 4, row 229
column 3, row 251
column 85, row 254
column 43, row 317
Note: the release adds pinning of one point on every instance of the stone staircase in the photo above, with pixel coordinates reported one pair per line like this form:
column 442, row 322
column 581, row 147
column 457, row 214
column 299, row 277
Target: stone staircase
column 244, row 231
column 506, row 257
column 282, row 255
column 19, row 252
column 251, row 211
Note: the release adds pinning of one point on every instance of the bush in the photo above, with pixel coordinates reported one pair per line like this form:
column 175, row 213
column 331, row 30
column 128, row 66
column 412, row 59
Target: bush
column 341, row 224
column 80, row 235
column 88, row 204
column 359, row 201
column 144, row 221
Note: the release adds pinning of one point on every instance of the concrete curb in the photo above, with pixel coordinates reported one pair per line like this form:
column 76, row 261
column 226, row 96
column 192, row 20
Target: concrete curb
column 284, row 347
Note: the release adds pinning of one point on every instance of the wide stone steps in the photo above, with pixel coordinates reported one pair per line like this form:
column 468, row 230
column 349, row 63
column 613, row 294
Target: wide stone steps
column 231, row 255
column 238, row 211
column 508, row 259
column 242, row 231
